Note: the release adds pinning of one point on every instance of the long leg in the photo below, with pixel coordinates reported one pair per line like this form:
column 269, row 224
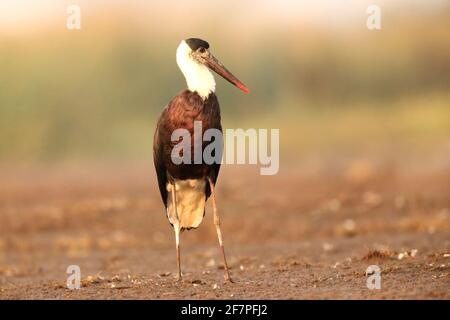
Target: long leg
column 176, row 227
column 219, row 232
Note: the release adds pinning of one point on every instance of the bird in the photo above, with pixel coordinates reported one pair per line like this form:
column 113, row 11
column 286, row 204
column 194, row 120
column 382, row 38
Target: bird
column 186, row 187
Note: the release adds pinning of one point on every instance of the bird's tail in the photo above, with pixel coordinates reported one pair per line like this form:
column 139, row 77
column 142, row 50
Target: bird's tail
column 190, row 199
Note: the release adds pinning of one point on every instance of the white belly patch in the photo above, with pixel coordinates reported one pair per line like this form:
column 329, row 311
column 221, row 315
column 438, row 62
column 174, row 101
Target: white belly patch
column 190, row 197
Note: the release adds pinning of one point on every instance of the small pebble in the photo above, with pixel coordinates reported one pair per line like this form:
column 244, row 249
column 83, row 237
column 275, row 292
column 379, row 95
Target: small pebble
column 211, row 263
column 327, row 247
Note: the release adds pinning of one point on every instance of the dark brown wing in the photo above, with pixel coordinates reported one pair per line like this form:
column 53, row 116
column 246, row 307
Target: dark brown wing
column 161, row 171
column 213, row 174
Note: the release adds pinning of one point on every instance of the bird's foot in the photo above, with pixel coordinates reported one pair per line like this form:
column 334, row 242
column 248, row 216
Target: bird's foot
column 227, row 279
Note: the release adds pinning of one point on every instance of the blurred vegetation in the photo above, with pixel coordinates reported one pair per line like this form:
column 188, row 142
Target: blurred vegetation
column 96, row 93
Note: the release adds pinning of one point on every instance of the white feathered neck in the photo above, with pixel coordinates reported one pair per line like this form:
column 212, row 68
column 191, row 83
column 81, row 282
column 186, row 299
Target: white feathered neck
column 198, row 77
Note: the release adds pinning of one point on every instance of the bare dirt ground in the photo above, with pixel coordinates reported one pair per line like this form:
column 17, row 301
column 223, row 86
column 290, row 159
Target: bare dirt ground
column 293, row 236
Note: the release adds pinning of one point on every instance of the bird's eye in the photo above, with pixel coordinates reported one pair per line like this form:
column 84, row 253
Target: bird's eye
column 202, row 50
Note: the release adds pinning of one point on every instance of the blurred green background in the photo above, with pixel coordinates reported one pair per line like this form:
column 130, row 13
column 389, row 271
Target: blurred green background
column 314, row 70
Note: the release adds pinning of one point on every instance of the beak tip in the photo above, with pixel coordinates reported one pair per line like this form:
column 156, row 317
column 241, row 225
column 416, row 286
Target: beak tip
column 244, row 89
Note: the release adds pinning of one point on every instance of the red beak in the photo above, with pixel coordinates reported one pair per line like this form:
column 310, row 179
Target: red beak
column 220, row 69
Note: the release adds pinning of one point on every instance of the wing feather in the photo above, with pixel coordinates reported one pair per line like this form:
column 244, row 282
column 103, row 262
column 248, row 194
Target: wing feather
column 161, row 170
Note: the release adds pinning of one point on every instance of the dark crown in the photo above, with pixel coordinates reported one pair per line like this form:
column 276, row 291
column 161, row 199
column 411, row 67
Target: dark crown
column 195, row 43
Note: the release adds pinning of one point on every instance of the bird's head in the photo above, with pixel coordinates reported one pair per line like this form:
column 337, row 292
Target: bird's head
column 195, row 58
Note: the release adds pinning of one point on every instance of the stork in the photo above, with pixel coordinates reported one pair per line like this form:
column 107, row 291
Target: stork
column 186, row 187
